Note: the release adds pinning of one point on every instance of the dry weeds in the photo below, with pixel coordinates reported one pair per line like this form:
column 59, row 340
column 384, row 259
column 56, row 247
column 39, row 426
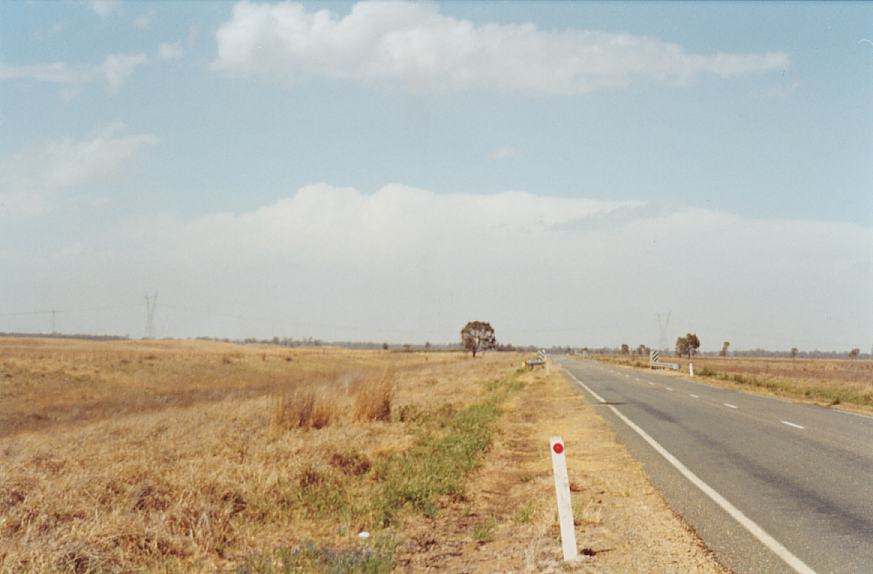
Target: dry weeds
column 163, row 456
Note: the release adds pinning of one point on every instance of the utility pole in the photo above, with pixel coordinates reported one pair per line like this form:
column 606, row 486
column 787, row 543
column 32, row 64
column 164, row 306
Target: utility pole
column 151, row 306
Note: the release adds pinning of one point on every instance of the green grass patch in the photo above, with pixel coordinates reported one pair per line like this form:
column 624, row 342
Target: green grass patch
column 526, row 513
column 442, row 458
column 483, row 531
column 365, row 559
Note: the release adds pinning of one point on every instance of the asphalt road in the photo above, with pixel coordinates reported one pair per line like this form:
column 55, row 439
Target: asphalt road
column 769, row 485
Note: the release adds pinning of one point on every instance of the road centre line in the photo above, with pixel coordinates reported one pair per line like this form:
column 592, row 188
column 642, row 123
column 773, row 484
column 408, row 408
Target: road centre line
column 693, row 395
column 730, row 406
column 759, row 533
column 792, row 425
column 669, row 388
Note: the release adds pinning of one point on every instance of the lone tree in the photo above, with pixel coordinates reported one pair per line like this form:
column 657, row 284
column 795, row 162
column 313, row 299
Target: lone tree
column 724, row 348
column 793, row 352
column 478, row 336
column 853, row 354
column 687, row 345
column 625, row 350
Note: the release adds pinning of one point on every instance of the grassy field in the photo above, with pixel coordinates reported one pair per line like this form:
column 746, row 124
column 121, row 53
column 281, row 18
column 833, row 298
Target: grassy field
column 181, row 456
column 827, row 381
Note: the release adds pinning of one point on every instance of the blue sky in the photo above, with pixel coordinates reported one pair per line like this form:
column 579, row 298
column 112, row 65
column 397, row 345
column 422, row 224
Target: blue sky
column 140, row 132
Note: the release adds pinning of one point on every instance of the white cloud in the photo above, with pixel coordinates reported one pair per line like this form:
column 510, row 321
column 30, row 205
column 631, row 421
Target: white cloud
column 104, row 8
column 504, row 152
column 408, row 264
column 117, row 68
column 30, row 177
column 55, row 72
column 168, row 52
column 416, row 45
column 114, row 70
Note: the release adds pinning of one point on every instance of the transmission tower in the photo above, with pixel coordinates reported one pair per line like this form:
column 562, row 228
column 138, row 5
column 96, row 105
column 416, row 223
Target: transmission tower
column 151, row 306
column 54, row 313
column 663, row 325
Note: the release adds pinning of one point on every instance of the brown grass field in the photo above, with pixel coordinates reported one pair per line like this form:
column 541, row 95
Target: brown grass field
column 833, row 382
column 179, row 456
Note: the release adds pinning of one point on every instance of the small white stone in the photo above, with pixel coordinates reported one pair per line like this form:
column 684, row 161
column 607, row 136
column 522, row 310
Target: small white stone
column 363, row 534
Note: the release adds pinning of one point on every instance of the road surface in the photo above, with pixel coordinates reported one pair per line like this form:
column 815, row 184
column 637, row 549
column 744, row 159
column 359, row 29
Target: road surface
column 769, row 485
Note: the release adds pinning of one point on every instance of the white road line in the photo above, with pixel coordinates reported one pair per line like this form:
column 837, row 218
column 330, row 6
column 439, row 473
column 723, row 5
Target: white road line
column 651, row 383
column 695, row 396
column 851, row 413
column 792, row 425
column 730, row 406
column 774, row 545
column 669, row 388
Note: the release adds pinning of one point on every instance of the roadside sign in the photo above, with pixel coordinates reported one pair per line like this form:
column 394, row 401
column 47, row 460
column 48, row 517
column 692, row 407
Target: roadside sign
column 562, row 492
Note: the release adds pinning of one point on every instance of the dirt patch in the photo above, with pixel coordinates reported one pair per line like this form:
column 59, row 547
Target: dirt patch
column 506, row 520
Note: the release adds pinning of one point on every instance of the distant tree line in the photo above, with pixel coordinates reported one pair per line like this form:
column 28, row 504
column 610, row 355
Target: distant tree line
column 67, row 336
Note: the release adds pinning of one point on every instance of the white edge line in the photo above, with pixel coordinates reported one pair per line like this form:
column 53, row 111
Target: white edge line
column 669, row 388
column 693, row 395
column 851, row 413
column 730, row 406
column 774, row 545
column 792, row 425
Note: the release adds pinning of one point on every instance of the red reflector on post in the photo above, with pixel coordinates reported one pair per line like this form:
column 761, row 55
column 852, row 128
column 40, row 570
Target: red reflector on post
column 559, row 448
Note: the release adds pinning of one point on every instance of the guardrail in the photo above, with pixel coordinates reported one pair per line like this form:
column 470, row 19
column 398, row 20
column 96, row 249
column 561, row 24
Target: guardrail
column 655, row 363
column 533, row 363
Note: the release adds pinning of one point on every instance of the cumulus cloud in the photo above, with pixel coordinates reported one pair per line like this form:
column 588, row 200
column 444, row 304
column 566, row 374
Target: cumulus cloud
column 416, row 45
column 114, row 71
column 31, row 176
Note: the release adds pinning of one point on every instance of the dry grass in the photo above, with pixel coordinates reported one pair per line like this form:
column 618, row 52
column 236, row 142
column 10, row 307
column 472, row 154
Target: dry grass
column 373, row 399
column 303, row 409
column 828, row 381
column 198, row 457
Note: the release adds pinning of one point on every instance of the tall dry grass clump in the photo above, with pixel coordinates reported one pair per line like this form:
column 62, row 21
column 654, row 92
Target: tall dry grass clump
column 304, row 409
column 373, row 398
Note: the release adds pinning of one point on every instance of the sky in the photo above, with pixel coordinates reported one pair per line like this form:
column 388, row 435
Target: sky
column 390, row 171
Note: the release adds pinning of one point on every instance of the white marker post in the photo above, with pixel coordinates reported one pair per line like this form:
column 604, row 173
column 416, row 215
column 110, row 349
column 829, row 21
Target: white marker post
column 562, row 490
column 691, row 369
